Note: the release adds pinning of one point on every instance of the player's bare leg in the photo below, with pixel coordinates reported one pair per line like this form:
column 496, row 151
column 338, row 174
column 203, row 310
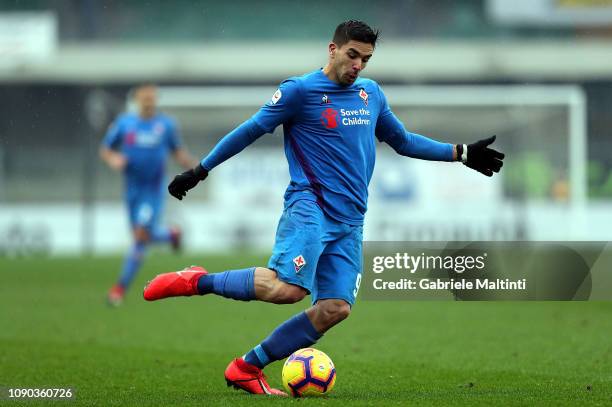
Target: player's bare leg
column 269, row 288
column 327, row 313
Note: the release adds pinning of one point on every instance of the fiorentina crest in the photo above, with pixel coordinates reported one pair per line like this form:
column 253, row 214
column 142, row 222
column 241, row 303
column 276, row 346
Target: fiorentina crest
column 299, row 262
column 363, row 95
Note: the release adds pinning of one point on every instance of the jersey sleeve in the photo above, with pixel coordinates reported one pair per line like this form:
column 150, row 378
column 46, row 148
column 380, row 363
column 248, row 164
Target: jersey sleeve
column 281, row 108
column 174, row 137
column 233, row 143
column 389, row 129
column 112, row 139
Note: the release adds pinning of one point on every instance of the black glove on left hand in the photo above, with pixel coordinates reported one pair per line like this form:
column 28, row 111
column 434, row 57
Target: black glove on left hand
column 184, row 182
column 480, row 157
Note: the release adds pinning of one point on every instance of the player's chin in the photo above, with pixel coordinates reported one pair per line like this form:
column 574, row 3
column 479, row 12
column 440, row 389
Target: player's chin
column 348, row 80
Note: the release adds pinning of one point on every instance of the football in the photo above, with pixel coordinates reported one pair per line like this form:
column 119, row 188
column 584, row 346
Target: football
column 309, row 372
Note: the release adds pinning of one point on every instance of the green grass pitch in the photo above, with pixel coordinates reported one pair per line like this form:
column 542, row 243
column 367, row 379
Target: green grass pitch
column 56, row 331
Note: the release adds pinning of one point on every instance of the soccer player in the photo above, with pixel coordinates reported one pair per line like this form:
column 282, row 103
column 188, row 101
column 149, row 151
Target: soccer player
column 331, row 119
column 138, row 144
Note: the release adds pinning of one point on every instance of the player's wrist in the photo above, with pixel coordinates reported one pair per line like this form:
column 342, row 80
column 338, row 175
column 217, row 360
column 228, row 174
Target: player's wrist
column 200, row 172
column 461, row 150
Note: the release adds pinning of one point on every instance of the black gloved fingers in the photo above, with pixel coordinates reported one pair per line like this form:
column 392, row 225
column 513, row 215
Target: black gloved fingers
column 176, row 188
column 496, row 154
column 483, row 159
column 491, row 139
column 496, row 165
column 486, row 142
column 176, row 193
column 187, row 180
column 491, row 163
column 490, row 153
column 486, row 168
column 485, row 171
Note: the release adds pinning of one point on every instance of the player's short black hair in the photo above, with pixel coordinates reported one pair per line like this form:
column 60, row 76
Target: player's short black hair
column 355, row 30
column 138, row 86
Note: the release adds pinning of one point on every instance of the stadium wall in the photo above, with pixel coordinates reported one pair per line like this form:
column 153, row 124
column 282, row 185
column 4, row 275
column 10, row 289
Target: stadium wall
column 57, row 229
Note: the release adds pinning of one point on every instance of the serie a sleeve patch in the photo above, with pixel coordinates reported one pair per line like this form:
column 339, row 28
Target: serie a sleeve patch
column 276, row 97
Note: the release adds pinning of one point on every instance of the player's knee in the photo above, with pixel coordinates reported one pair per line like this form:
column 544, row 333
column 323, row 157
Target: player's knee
column 289, row 294
column 333, row 311
column 141, row 235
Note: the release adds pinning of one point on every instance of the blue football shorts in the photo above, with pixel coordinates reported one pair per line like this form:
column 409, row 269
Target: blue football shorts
column 318, row 253
column 145, row 209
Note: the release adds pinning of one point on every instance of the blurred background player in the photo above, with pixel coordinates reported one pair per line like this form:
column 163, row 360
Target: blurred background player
column 138, row 145
column 318, row 249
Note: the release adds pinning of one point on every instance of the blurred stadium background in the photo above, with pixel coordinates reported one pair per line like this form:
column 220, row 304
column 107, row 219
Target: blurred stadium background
column 536, row 73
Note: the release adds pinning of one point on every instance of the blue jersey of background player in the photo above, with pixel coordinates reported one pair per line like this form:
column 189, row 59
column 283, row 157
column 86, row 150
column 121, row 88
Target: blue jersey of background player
column 139, row 144
column 331, row 121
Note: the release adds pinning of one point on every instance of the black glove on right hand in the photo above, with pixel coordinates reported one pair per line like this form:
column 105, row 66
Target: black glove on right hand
column 480, row 157
column 184, row 182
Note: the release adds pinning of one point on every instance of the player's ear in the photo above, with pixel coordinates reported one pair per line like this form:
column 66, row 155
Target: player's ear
column 332, row 49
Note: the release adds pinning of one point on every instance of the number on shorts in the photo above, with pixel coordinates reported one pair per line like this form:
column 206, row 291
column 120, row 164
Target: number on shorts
column 357, row 284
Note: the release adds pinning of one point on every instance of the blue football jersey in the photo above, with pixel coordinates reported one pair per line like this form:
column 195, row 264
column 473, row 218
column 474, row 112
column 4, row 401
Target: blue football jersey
column 146, row 143
column 329, row 139
column 329, row 135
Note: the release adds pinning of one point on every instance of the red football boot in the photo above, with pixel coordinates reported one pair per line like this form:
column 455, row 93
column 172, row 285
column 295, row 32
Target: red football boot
column 179, row 283
column 115, row 295
column 249, row 378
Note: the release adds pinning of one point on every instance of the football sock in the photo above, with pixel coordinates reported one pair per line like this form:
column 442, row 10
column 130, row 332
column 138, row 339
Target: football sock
column 161, row 235
column 293, row 334
column 235, row 284
column 131, row 264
